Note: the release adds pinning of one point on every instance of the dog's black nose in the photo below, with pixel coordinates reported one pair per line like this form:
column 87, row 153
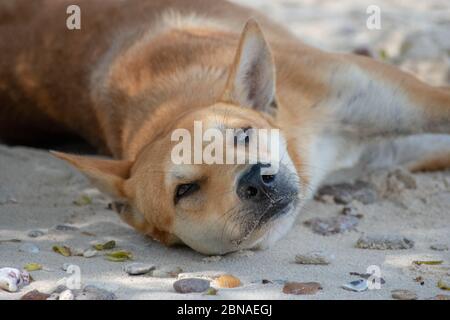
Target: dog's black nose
column 255, row 186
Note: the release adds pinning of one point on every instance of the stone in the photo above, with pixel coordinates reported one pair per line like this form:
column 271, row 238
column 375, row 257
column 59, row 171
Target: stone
column 190, row 285
column 301, row 288
column 366, row 276
column 207, row 275
column 352, row 212
column 66, row 266
column 166, row 272
column 359, row 285
column 400, row 294
column 227, row 281
column 212, row 259
column 345, row 193
column 29, row 248
column 384, row 242
column 12, row 279
column 314, row 257
column 65, row 227
column 441, row 297
column 399, row 180
column 333, row 225
column 66, row 295
column 35, row 233
column 439, row 247
column 89, row 253
column 135, row 269
column 35, row 295
column 94, row 293
column 53, row 296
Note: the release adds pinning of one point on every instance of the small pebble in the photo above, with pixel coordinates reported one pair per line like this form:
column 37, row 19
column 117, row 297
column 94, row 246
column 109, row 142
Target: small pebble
column 166, row 272
column 190, row 285
column 439, row 247
column 53, row 296
column 352, row 211
column 403, row 295
column 138, row 268
column 315, row 257
column 207, row 275
column 29, row 248
column 66, row 295
column 384, row 242
column 367, row 276
column 300, row 288
column 66, row 266
column 227, row 281
column 36, row 233
column 356, row 286
column 94, row 293
column 399, row 180
column 212, row 259
column 441, row 297
column 35, row 295
column 344, row 193
column 89, row 253
column 65, row 227
column 333, row 225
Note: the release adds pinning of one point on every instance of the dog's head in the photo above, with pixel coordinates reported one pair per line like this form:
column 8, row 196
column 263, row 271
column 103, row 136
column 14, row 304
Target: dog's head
column 211, row 189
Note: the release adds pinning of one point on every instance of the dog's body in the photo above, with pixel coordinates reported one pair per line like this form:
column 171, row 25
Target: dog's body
column 138, row 69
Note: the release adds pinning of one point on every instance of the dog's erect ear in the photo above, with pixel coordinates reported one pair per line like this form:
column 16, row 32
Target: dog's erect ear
column 108, row 175
column 251, row 82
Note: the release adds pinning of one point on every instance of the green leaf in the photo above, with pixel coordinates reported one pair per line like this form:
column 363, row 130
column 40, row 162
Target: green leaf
column 211, row 292
column 62, row 250
column 84, row 200
column 383, row 55
column 429, row 262
column 32, row 267
column 105, row 246
column 119, row 256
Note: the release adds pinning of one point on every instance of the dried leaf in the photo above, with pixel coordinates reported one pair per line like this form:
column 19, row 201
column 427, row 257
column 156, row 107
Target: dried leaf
column 32, row 267
column 105, row 246
column 119, row 256
column 443, row 285
column 428, row 262
column 62, row 250
column 10, row 240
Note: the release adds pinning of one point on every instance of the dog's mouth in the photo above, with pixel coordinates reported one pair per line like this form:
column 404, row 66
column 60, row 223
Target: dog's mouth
column 261, row 221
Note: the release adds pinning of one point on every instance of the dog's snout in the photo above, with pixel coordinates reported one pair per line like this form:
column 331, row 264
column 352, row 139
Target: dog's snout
column 254, row 185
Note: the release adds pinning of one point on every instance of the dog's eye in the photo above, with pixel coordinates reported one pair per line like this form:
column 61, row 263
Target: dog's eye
column 184, row 190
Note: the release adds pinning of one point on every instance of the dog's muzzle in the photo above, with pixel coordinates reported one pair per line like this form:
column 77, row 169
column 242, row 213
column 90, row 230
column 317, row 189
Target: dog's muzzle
column 267, row 195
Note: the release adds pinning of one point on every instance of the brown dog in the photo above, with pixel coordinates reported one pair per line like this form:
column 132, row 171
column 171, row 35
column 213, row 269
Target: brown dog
column 138, row 70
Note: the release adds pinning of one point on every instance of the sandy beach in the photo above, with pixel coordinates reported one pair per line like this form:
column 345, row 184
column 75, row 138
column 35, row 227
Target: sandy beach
column 41, row 193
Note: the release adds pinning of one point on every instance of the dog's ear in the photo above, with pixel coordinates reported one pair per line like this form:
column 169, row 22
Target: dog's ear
column 251, row 82
column 108, row 175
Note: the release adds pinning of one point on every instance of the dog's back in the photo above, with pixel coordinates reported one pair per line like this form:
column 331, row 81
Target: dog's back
column 46, row 69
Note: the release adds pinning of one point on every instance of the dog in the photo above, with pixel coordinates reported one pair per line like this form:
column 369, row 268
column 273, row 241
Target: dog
column 138, row 70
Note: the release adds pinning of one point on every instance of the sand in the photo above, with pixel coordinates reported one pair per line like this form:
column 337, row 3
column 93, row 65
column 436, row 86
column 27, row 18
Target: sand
column 38, row 191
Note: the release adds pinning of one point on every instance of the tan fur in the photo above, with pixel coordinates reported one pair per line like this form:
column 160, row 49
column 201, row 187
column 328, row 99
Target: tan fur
column 140, row 69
